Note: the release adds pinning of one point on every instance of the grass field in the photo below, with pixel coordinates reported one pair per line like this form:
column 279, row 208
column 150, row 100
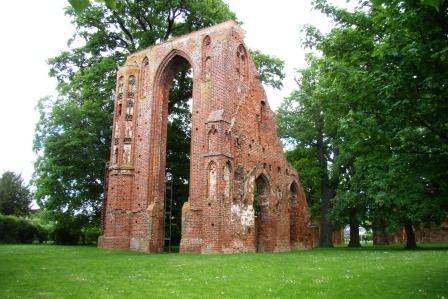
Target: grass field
column 33, row 271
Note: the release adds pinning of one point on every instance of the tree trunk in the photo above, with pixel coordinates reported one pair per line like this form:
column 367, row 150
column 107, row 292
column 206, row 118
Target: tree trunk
column 325, row 230
column 410, row 236
column 354, row 230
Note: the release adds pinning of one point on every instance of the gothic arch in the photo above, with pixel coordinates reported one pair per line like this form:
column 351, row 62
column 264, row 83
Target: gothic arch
column 132, row 83
column 227, row 178
column 206, row 59
column 294, row 188
column 119, row 102
column 120, row 86
column 159, row 106
column 242, row 62
column 294, row 206
column 167, row 63
column 261, row 210
column 262, row 190
column 157, row 126
column 144, row 77
column 262, row 110
column 212, row 177
column 212, row 139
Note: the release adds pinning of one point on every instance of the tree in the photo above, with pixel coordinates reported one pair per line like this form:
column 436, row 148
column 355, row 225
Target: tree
column 270, row 69
column 388, row 64
column 305, row 123
column 15, row 197
column 80, row 5
column 77, row 124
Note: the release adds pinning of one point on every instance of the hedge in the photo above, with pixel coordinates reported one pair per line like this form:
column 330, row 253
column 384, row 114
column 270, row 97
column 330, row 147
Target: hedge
column 19, row 230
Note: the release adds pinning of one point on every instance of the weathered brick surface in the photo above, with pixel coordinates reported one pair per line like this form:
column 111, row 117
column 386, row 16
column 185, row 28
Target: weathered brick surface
column 234, row 147
column 433, row 233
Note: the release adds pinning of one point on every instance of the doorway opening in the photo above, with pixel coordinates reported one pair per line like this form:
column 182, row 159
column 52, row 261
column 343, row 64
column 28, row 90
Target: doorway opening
column 293, row 216
column 260, row 205
column 178, row 143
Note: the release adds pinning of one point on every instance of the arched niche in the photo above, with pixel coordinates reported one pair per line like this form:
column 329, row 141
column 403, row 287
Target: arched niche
column 144, row 78
column 262, row 110
column 132, row 86
column 212, row 139
column 120, row 86
column 115, row 155
column 119, row 101
column 212, row 175
column 261, row 210
column 206, row 58
column 261, row 193
column 293, row 213
column 241, row 56
column 293, row 190
column 227, row 174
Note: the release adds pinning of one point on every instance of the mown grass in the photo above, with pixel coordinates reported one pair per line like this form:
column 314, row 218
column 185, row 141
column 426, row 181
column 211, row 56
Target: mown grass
column 33, row 271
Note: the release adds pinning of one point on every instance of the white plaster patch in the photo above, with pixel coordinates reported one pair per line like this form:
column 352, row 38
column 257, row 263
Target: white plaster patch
column 227, row 181
column 127, row 154
column 242, row 214
column 212, row 181
column 117, row 130
column 128, row 129
column 249, row 189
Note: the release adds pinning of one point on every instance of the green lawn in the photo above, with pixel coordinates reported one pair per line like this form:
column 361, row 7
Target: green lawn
column 87, row 272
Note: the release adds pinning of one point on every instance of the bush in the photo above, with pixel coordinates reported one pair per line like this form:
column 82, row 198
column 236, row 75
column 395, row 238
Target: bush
column 78, row 229
column 20, row 230
column 25, row 231
column 8, row 229
column 67, row 231
column 90, row 235
column 42, row 233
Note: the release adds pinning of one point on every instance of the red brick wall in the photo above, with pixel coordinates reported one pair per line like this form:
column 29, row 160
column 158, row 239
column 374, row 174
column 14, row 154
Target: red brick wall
column 234, row 141
column 422, row 234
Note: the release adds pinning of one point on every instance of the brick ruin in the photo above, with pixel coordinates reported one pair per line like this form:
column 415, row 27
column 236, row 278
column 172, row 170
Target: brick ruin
column 234, row 151
column 423, row 234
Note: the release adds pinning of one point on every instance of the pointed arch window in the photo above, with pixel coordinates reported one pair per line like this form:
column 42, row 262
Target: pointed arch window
column 206, row 59
column 212, row 140
column 115, row 156
column 241, row 55
column 261, row 193
column 132, row 88
column 226, row 175
column 144, row 71
column 211, row 181
column 120, row 88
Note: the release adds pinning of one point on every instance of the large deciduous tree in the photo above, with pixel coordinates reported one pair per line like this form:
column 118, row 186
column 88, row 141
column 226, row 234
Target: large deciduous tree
column 305, row 123
column 388, row 65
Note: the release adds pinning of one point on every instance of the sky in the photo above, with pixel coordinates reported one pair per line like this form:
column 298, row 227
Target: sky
column 31, row 32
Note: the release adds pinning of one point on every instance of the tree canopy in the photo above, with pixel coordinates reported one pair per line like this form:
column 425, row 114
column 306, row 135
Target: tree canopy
column 15, row 197
column 380, row 84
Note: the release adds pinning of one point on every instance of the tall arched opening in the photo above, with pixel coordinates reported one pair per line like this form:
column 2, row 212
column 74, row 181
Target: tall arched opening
column 293, row 214
column 261, row 206
column 174, row 93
